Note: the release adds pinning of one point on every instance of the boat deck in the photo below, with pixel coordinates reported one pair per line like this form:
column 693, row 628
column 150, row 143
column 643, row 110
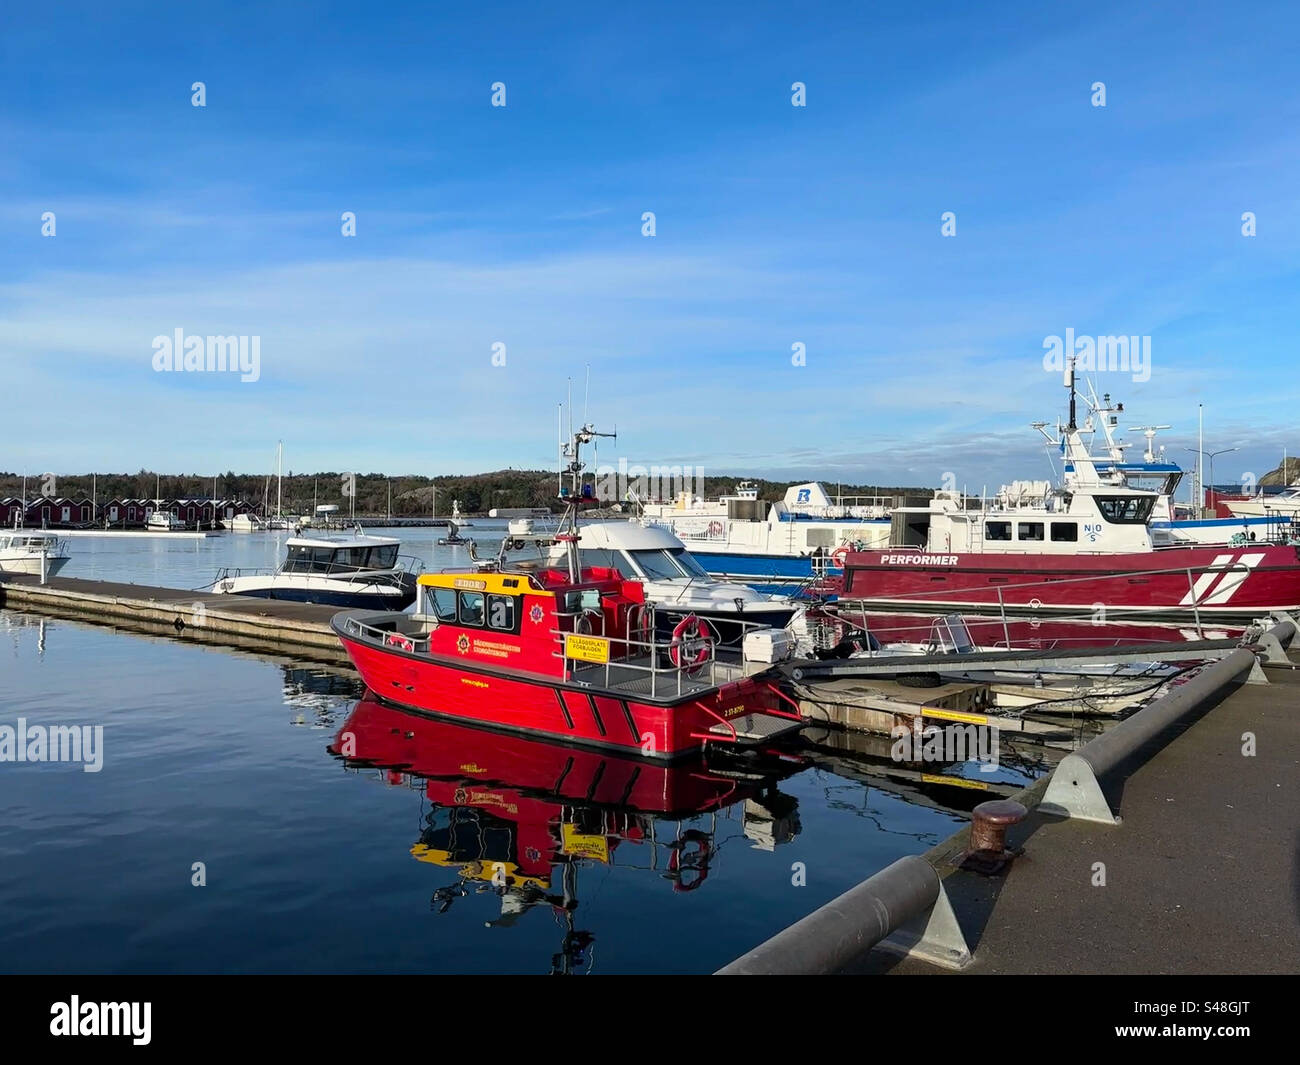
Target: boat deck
column 636, row 677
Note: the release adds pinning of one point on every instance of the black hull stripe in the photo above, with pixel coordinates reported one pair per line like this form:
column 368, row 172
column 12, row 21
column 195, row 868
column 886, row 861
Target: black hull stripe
column 595, row 713
column 631, row 722
column 564, row 708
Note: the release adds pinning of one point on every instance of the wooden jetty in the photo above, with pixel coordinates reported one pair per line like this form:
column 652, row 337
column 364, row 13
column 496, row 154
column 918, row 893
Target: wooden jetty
column 232, row 620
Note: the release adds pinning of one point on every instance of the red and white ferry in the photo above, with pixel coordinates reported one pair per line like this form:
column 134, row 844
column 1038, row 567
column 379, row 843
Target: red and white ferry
column 573, row 653
column 1077, row 549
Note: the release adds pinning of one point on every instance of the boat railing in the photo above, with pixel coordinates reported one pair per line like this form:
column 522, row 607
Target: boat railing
column 1194, row 599
column 643, row 659
column 406, row 632
column 649, row 657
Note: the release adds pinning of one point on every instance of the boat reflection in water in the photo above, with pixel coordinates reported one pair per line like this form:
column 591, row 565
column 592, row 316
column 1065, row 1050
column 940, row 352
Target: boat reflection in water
column 520, row 817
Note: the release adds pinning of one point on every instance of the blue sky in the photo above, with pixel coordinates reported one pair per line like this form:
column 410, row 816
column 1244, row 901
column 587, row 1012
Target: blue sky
column 522, row 225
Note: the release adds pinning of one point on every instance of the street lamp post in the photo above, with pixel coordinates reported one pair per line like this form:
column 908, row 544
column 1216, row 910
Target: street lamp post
column 1200, row 503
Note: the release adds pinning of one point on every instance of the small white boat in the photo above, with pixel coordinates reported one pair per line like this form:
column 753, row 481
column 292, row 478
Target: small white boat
column 1285, row 505
column 345, row 571
column 247, row 523
column 23, row 552
column 160, row 520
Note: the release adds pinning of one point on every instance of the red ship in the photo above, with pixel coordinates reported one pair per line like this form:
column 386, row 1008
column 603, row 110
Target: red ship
column 1183, row 582
column 1079, row 549
column 573, row 654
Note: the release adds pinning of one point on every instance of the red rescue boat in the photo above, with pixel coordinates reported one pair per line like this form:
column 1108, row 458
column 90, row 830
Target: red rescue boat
column 573, row 654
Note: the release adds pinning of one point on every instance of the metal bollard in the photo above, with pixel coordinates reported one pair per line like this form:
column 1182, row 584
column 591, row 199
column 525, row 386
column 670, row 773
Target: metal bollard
column 988, row 852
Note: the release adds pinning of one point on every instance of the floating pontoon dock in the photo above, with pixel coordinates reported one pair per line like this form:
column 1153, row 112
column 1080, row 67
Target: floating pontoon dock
column 232, row 620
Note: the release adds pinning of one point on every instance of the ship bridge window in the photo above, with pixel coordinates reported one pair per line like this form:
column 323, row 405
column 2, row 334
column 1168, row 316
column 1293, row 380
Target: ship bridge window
column 471, row 608
column 1029, row 530
column 997, row 530
column 442, row 603
column 501, row 612
column 1126, row 510
column 1064, row 532
column 383, row 557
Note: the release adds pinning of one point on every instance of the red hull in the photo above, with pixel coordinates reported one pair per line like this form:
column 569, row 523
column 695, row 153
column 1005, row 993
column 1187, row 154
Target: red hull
column 548, row 706
column 1224, row 581
column 465, row 766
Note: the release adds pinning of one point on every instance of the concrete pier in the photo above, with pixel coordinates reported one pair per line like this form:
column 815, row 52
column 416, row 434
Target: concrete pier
column 1199, row 876
column 231, row 620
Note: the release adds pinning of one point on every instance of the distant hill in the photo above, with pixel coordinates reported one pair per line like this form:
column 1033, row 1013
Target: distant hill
column 1284, row 474
column 412, row 496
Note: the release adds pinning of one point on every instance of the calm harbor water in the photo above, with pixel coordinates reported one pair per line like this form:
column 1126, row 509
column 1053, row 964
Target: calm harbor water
column 383, row 862
column 191, row 562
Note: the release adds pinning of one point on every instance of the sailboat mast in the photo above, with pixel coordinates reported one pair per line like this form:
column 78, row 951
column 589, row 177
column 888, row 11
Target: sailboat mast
column 279, row 477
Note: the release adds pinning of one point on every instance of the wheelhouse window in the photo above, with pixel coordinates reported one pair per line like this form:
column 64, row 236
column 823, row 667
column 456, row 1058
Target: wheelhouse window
column 442, row 603
column 1065, row 532
column 471, row 608
column 1029, row 530
column 501, row 612
column 997, row 530
column 1126, row 510
column 383, row 557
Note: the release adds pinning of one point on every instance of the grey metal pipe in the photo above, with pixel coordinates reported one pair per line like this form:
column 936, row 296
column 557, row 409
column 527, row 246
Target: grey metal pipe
column 846, row 927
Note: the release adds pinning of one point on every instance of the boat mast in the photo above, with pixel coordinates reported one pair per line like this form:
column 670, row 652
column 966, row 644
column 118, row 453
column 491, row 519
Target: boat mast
column 568, row 530
column 279, row 477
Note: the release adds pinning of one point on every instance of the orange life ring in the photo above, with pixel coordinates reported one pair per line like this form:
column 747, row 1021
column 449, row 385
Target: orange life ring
column 396, row 639
column 839, row 557
column 693, row 630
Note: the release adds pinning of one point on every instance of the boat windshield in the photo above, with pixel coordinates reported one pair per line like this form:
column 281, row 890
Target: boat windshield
column 304, row 559
column 667, row 564
column 1125, row 510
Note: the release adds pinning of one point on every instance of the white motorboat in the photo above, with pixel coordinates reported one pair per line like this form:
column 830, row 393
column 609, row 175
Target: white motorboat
column 347, row 571
column 673, row 580
column 160, row 520
column 1284, row 506
column 247, row 523
column 31, row 552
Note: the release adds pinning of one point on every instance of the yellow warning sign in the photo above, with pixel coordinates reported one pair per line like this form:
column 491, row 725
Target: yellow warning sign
column 586, row 648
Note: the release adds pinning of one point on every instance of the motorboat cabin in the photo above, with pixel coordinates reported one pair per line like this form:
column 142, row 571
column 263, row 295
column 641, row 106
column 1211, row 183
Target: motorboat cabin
column 32, row 552
column 355, row 570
